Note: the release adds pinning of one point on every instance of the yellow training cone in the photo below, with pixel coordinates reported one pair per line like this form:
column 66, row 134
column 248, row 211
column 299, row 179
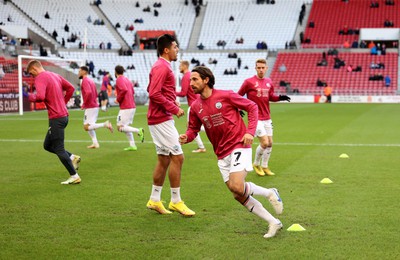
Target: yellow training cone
column 296, row 227
column 326, row 181
column 343, row 156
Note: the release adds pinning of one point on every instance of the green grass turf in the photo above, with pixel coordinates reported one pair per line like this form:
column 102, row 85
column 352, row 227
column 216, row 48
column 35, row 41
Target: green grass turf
column 105, row 217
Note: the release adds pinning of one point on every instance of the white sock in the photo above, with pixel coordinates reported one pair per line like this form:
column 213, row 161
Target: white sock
column 265, row 157
column 92, row 135
column 176, row 195
column 259, row 153
column 76, row 175
column 255, row 207
column 72, row 157
column 130, row 139
column 254, row 189
column 95, row 126
column 104, row 108
column 129, row 129
column 199, row 142
column 156, row 193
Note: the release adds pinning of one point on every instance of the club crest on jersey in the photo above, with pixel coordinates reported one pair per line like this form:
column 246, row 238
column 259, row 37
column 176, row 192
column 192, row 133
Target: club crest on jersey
column 218, row 105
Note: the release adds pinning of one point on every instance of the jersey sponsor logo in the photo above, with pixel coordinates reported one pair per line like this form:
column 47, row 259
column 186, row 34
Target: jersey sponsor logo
column 218, row 105
column 206, row 122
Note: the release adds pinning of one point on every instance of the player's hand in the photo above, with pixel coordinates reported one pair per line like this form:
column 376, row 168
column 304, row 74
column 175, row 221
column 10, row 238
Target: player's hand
column 180, row 113
column 242, row 113
column 177, row 103
column 183, row 139
column 284, row 97
column 247, row 139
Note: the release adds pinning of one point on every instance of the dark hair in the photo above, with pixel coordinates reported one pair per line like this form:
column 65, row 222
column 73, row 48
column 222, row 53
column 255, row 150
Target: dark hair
column 119, row 70
column 164, row 41
column 85, row 68
column 204, row 73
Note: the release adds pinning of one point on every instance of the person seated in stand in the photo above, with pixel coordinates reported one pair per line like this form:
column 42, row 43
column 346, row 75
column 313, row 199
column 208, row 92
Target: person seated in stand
column 387, row 81
column 357, row 69
column 374, row 50
column 321, row 83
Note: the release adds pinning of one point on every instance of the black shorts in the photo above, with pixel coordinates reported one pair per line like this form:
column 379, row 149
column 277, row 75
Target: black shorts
column 103, row 95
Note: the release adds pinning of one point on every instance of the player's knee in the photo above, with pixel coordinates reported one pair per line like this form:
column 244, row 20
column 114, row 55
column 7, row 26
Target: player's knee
column 236, row 189
column 86, row 127
column 120, row 128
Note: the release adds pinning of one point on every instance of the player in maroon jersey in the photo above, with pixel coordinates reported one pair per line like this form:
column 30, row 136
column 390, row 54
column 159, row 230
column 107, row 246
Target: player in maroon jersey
column 260, row 90
column 50, row 88
column 218, row 111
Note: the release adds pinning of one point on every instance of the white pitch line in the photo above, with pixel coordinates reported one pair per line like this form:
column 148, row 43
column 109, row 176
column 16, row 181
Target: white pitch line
column 283, row 144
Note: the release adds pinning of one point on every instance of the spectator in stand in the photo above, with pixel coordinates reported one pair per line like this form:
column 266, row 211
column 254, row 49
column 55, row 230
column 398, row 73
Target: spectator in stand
column 66, row 28
column 282, row 68
column 346, row 44
column 374, row 50
column 231, row 19
column 47, row 16
column 55, row 34
column 387, row 81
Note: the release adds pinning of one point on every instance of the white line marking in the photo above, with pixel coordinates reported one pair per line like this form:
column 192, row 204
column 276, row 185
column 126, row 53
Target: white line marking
column 283, row 144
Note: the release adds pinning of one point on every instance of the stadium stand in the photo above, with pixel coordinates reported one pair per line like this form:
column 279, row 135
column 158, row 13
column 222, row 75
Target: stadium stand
column 303, row 73
column 274, row 24
column 74, row 13
column 18, row 19
column 331, row 16
column 172, row 16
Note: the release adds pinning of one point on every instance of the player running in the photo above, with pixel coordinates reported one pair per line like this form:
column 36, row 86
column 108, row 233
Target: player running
column 127, row 106
column 218, row 111
column 49, row 89
column 260, row 90
column 91, row 107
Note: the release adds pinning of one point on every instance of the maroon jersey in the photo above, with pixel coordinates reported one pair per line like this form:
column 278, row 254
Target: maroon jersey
column 222, row 122
column 105, row 83
column 186, row 90
column 260, row 91
column 50, row 89
column 162, row 95
column 89, row 93
column 125, row 93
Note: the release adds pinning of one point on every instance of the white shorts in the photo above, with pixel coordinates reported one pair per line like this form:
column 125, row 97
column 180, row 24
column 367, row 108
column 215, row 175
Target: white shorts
column 264, row 127
column 237, row 161
column 125, row 116
column 90, row 116
column 166, row 138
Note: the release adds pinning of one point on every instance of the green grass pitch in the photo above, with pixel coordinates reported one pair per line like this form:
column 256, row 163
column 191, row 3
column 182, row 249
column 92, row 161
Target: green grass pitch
column 105, row 217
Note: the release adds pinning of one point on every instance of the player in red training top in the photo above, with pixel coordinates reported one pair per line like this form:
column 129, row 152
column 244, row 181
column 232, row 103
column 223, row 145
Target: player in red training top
column 91, row 107
column 127, row 108
column 49, row 89
column 187, row 91
column 162, row 107
column 260, row 90
column 218, row 111
column 103, row 95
